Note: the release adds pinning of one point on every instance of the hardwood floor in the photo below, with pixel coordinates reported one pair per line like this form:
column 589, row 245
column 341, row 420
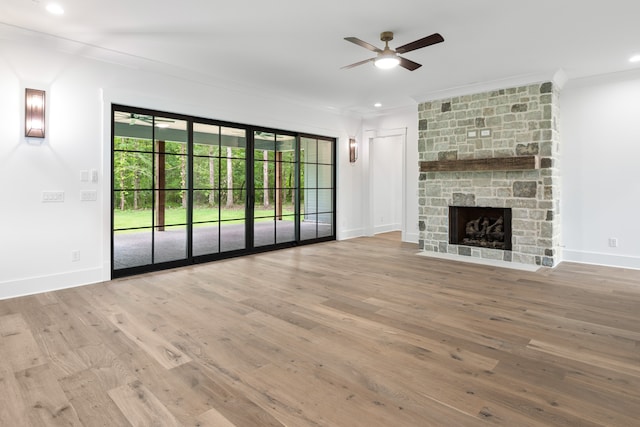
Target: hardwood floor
column 353, row 333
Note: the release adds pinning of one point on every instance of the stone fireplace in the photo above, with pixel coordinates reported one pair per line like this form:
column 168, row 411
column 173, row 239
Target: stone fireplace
column 492, row 150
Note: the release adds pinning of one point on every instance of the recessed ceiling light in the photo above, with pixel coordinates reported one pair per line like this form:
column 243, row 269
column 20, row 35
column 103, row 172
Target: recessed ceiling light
column 377, row 105
column 55, row 9
column 635, row 58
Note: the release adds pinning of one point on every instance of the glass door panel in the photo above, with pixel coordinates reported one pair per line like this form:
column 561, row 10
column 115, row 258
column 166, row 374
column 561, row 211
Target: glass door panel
column 317, row 188
column 132, row 248
column 170, row 243
column 132, row 179
column 286, row 188
column 264, row 175
column 325, row 151
column 275, row 188
column 206, row 189
column 308, row 186
column 233, row 189
column 171, row 196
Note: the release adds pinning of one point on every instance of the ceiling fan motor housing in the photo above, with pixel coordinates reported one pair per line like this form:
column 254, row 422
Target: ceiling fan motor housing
column 386, row 36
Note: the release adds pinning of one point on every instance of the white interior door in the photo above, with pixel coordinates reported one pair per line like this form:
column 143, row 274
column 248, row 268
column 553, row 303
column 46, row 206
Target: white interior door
column 386, row 167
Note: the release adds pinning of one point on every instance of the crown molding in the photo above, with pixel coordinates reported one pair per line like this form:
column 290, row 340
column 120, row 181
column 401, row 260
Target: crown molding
column 559, row 78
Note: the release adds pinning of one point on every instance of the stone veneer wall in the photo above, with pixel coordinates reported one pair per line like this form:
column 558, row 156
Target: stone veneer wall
column 522, row 121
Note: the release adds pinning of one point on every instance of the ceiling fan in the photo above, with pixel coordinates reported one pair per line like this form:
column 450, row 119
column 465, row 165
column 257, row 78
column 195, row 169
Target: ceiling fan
column 389, row 58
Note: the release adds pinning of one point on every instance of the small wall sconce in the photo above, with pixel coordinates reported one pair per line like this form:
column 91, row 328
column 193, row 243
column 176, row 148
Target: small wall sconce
column 353, row 150
column 34, row 118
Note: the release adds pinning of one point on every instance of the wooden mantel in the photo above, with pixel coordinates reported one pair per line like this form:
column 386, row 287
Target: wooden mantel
column 489, row 164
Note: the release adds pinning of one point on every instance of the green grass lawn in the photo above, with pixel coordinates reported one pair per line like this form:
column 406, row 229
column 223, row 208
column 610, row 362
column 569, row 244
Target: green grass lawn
column 143, row 217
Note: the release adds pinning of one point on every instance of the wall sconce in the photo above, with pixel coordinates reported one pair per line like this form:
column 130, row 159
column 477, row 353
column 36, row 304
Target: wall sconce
column 34, row 118
column 353, row 150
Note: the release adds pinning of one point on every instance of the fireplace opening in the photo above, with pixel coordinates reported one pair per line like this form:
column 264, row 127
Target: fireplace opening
column 482, row 227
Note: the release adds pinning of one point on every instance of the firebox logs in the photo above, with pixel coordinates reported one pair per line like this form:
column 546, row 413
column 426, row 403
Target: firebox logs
column 482, row 232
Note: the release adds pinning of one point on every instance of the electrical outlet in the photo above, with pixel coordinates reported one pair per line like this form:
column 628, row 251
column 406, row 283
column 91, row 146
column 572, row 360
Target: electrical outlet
column 94, row 175
column 75, row 256
column 613, row 242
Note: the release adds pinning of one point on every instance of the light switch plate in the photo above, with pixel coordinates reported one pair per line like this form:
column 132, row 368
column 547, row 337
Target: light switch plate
column 88, row 195
column 53, row 196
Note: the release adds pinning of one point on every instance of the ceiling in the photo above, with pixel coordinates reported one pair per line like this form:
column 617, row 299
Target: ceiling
column 293, row 49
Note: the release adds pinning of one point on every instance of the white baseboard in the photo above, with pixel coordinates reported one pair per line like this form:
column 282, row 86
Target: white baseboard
column 597, row 258
column 350, row 234
column 411, row 238
column 36, row 285
column 385, row 228
column 360, row 232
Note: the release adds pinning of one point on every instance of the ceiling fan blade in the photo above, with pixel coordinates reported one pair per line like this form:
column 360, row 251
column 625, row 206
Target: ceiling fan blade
column 408, row 64
column 423, row 42
column 346, row 67
column 363, row 44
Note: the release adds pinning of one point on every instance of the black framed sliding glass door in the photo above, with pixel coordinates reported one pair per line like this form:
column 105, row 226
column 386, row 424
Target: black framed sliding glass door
column 150, row 197
column 219, row 189
column 188, row 190
column 275, row 172
column 317, row 188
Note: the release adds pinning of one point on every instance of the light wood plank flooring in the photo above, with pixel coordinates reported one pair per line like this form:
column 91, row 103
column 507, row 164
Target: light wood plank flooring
column 353, row 333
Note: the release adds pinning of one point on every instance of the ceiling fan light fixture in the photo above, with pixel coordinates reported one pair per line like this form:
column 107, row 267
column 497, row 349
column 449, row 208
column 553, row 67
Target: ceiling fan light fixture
column 387, row 61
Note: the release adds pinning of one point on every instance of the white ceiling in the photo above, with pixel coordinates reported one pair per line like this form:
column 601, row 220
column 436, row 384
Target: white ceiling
column 294, row 49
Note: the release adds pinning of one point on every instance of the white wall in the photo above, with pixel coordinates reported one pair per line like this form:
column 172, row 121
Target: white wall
column 600, row 134
column 351, row 179
column 37, row 238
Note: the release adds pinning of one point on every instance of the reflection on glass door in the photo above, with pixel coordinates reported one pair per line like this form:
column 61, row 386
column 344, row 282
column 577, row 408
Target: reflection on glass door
column 317, row 188
column 189, row 190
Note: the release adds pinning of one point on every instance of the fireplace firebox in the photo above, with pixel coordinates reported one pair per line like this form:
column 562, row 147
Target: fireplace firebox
column 480, row 226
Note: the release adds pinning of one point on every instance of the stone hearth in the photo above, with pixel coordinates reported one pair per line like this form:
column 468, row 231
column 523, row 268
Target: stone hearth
column 468, row 133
